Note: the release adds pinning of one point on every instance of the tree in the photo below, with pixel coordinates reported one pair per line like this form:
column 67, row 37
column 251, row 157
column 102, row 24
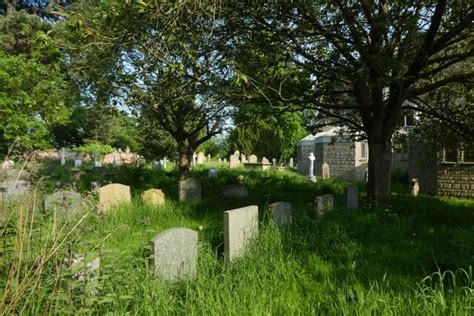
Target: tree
column 160, row 59
column 365, row 59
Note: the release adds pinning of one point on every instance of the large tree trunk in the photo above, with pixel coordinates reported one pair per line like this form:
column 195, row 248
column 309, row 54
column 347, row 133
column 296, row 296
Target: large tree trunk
column 185, row 155
column 380, row 169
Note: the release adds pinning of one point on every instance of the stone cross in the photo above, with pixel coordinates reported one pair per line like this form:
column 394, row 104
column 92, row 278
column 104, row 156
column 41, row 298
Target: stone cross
column 62, row 155
column 311, row 158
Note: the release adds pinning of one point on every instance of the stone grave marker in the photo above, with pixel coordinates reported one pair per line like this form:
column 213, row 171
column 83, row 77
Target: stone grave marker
column 291, row 164
column 65, row 202
column 190, row 190
column 414, row 187
column 212, row 172
column 236, row 190
column 253, row 159
column 265, row 161
column 234, row 161
column 175, row 253
column 351, row 194
column 85, row 268
column 311, row 159
column 280, row 213
column 111, row 194
column 62, row 156
column 240, row 228
column 243, row 158
column 325, row 170
column 13, row 189
column 156, row 165
column 77, row 163
column 323, row 203
column 153, row 197
column 201, row 158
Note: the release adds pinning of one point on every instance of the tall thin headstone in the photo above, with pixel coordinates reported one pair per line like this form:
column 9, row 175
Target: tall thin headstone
column 351, row 194
column 311, row 159
column 414, row 187
column 62, row 156
column 291, row 164
column 208, row 158
column 240, row 228
column 325, row 170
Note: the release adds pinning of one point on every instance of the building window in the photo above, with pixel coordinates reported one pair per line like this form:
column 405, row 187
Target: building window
column 468, row 154
column 363, row 151
column 451, row 155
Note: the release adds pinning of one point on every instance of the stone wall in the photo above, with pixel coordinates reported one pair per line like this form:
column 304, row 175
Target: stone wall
column 302, row 153
column 456, row 179
column 341, row 159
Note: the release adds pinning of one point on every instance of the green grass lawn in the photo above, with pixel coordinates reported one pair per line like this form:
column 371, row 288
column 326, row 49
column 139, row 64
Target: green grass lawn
column 414, row 256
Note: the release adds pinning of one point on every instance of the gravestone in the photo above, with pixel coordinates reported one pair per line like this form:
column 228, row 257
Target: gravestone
column 234, row 161
column 62, row 156
column 265, row 161
column 8, row 164
column 253, row 159
column 325, row 170
column 111, row 194
column 311, row 159
column 212, row 173
column 156, row 165
column 237, row 154
column 414, row 187
column 77, row 163
column 243, row 158
column 201, row 158
column 153, row 197
column 351, row 194
column 219, row 160
column 323, row 203
column 190, row 190
column 208, row 158
column 85, row 268
column 175, row 253
column 240, row 228
column 237, row 190
column 274, row 162
column 66, row 202
column 291, row 164
column 13, row 189
column 280, row 212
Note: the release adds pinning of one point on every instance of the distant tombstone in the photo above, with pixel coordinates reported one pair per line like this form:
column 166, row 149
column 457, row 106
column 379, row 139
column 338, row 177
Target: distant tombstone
column 194, row 162
column 366, row 175
column 291, row 164
column 237, row 154
column 325, row 170
column 127, row 150
column 351, row 194
column 219, row 160
column 190, row 190
column 311, row 159
column 201, row 158
column 165, row 162
column 323, row 203
column 414, row 187
column 234, row 161
column 175, row 253
column 156, row 165
column 77, row 163
column 13, row 189
column 225, row 160
column 237, row 190
column 265, row 161
column 280, row 213
column 112, row 194
column 212, row 173
column 84, row 268
column 153, row 197
column 243, row 158
column 253, row 159
column 274, row 162
column 115, row 157
column 62, row 156
column 65, row 202
column 240, row 228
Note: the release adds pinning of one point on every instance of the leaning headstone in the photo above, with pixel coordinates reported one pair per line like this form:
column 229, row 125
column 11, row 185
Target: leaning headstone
column 175, row 253
column 190, row 190
column 325, row 170
column 237, row 190
column 65, row 202
column 234, row 161
column 280, row 212
column 153, row 197
column 414, row 187
column 212, row 173
column 323, row 203
column 351, row 194
column 253, row 159
column 77, row 163
column 240, row 228
column 112, row 194
column 10, row 190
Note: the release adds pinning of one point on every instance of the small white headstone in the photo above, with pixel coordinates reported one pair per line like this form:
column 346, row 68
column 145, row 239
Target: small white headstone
column 414, row 187
column 240, row 228
column 325, row 170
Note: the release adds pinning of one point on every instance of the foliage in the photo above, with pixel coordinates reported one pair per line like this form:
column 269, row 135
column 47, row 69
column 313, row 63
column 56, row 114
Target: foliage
column 99, row 148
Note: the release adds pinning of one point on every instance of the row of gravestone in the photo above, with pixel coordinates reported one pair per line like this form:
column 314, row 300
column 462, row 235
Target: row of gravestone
column 325, row 203
column 237, row 159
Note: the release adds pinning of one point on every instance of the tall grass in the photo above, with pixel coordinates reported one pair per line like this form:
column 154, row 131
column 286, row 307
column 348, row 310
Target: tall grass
column 413, row 257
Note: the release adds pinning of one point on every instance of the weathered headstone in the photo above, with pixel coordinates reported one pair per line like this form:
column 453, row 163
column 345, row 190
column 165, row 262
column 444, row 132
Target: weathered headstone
column 190, row 190
column 156, row 165
column 127, row 150
column 77, row 163
column 85, row 268
column 194, row 162
column 201, row 158
column 274, row 162
column 65, row 202
column 351, row 194
column 111, row 194
column 311, row 159
column 175, row 253
column 243, row 158
column 212, row 173
column 280, row 212
column 265, row 161
column 237, row 190
column 325, row 170
column 323, row 203
column 62, row 156
column 10, row 190
column 240, row 228
column 153, row 197
column 234, row 161
column 253, row 159
column 219, row 160
column 291, row 164
column 414, row 187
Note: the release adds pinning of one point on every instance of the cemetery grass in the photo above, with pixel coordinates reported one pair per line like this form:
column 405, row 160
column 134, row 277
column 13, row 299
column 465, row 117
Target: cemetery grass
column 414, row 256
